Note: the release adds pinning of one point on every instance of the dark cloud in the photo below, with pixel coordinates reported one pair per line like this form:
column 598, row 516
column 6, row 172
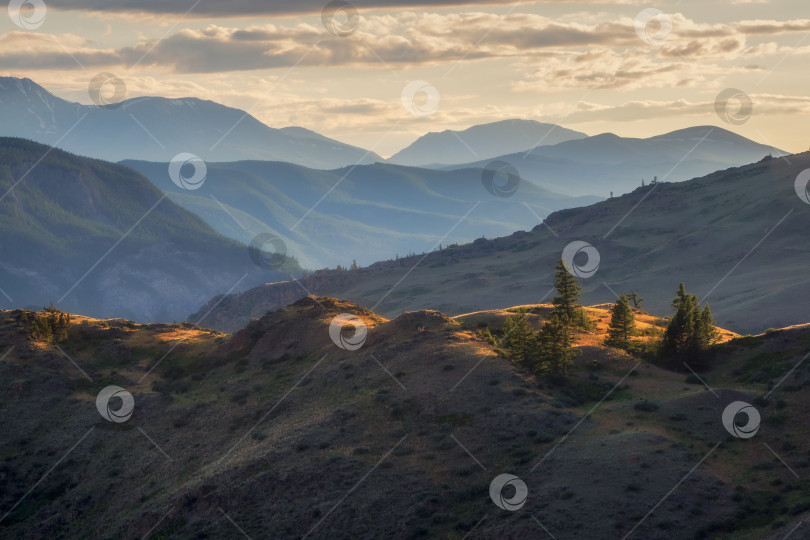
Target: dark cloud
column 236, row 8
column 706, row 48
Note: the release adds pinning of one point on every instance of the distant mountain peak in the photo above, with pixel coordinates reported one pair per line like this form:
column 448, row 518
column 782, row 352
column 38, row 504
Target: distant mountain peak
column 158, row 128
column 606, row 136
column 482, row 141
column 607, row 162
column 23, row 86
column 24, row 81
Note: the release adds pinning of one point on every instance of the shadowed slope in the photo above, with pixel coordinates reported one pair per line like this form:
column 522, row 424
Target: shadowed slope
column 283, row 432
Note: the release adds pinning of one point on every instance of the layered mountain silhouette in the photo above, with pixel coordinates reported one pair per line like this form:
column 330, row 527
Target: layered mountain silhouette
column 608, row 163
column 483, row 141
column 157, row 129
column 556, row 158
column 737, row 237
column 99, row 239
column 364, row 213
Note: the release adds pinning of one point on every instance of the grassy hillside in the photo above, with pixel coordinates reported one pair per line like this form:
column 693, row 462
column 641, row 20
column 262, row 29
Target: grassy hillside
column 280, row 433
column 60, row 214
column 737, row 238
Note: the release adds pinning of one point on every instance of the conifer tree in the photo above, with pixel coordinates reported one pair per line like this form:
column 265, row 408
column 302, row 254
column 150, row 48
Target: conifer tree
column 518, row 341
column 638, row 301
column 554, row 341
column 680, row 296
column 622, row 324
column 550, row 351
column 554, row 348
column 568, row 293
column 705, row 335
column 691, row 330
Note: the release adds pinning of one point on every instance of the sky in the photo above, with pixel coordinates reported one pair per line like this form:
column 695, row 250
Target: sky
column 381, row 73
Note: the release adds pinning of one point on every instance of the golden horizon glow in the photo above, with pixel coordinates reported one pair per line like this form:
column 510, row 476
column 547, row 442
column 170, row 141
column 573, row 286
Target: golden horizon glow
column 582, row 65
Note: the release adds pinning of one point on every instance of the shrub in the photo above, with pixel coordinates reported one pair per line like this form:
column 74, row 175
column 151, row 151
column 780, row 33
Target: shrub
column 485, row 334
column 172, row 386
column 646, row 406
column 693, row 379
column 50, row 326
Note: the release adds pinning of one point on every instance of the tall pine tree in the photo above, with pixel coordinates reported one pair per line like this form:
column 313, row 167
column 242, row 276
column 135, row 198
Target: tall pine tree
column 519, row 341
column 690, row 332
column 704, row 337
column 554, row 345
column 622, row 324
column 566, row 303
column 555, row 340
column 680, row 296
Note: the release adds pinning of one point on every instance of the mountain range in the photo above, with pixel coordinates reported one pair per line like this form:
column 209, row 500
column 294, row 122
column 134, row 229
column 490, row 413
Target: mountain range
column 98, row 238
column 402, row 398
column 368, row 213
column 485, row 141
column 608, row 163
column 362, row 213
column 558, row 159
column 158, row 129
column 736, row 236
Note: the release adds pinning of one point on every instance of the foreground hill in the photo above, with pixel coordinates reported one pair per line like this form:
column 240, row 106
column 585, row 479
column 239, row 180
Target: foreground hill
column 608, row 163
column 157, row 129
column 276, row 432
column 366, row 213
column 99, row 239
column 738, row 238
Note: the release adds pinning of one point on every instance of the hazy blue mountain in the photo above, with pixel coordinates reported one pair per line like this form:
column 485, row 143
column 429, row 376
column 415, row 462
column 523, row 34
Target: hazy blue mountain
column 603, row 163
column 482, row 142
column 157, row 129
column 369, row 212
column 82, row 229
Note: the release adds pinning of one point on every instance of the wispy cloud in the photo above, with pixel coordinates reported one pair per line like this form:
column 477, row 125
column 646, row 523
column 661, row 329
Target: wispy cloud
column 526, row 60
column 767, row 104
column 409, row 39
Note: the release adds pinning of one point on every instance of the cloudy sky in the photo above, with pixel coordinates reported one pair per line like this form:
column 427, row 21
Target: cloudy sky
column 630, row 67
